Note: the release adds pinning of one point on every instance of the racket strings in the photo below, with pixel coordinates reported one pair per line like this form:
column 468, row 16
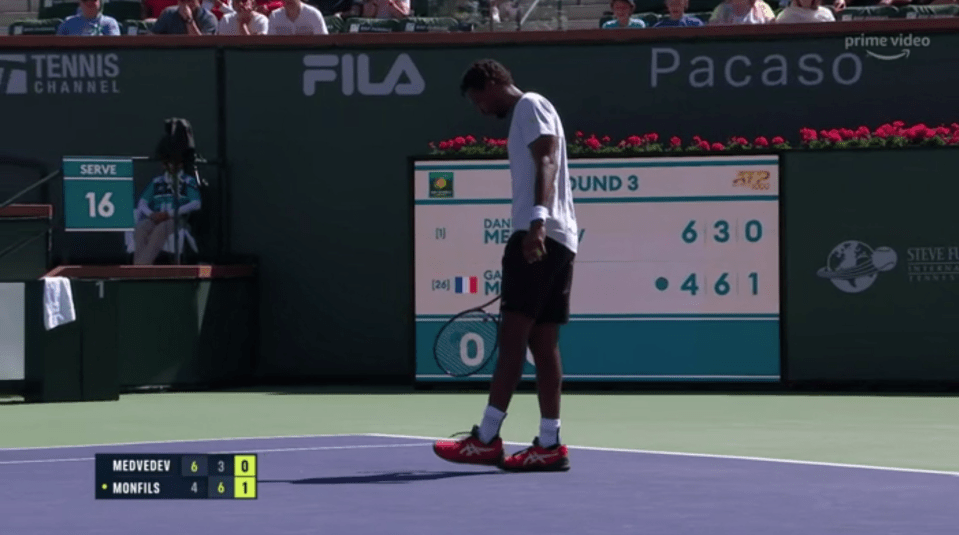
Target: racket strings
column 466, row 343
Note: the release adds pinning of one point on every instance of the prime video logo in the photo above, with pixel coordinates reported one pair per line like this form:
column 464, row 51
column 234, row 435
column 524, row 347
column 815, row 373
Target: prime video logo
column 905, row 43
column 13, row 74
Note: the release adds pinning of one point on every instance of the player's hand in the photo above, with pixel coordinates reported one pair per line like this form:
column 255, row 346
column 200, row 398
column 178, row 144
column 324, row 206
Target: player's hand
column 534, row 243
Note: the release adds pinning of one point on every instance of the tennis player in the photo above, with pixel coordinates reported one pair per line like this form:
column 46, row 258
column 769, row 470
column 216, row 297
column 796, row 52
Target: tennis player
column 537, row 272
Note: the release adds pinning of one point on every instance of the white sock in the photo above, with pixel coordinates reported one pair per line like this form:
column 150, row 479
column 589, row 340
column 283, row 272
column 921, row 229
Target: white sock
column 548, row 432
column 492, row 420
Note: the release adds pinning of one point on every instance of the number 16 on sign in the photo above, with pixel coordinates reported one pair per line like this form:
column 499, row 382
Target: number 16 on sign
column 98, row 194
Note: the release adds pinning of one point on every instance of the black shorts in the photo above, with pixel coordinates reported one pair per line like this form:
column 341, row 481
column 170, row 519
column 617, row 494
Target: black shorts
column 539, row 290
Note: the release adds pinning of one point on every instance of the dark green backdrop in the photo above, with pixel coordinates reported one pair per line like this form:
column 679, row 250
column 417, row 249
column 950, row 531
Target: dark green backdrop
column 901, row 324
column 319, row 183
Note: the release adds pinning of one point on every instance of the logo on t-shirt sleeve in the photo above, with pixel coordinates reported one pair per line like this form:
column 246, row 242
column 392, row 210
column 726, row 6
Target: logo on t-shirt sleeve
column 441, row 185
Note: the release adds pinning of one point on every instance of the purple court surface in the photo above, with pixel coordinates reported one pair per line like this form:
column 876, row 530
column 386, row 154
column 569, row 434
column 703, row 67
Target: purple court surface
column 371, row 485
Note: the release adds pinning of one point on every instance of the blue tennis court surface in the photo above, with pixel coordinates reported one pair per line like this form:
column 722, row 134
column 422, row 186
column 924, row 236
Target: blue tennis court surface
column 373, row 484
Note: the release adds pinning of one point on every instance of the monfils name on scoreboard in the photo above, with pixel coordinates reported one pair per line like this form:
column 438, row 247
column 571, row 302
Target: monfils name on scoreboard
column 136, row 487
column 140, row 466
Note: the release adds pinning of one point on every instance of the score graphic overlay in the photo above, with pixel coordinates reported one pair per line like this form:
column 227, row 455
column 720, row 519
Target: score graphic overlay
column 676, row 277
column 176, row 476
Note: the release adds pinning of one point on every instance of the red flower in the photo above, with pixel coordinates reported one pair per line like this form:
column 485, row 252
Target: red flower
column 606, row 139
column 942, row 131
column 898, row 124
column 652, row 137
column 717, row 146
column 470, row 139
column 593, row 143
column 846, row 133
column 675, row 141
column 955, row 127
column 834, row 136
column 697, row 139
column 863, row 132
column 579, row 133
column 762, row 142
column 634, row 141
column 808, row 134
column 703, row 145
column 444, row 145
column 742, row 141
column 778, row 140
column 460, row 140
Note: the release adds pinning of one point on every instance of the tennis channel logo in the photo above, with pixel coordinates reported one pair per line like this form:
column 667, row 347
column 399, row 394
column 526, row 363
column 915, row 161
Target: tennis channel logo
column 59, row 74
column 441, row 185
column 13, row 74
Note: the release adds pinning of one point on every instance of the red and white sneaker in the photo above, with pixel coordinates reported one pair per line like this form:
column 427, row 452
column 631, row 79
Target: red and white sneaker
column 536, row 458
column 471, row 450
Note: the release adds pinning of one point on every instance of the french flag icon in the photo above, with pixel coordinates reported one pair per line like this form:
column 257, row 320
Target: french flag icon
column 467, row 285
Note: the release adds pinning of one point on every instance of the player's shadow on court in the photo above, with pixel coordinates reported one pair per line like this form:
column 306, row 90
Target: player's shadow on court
column 389, row 477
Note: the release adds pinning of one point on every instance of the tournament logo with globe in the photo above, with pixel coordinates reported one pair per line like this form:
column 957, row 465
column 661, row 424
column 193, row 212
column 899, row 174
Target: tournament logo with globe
column 853, row 266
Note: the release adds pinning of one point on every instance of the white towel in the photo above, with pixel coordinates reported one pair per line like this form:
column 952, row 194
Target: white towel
column 58, row 302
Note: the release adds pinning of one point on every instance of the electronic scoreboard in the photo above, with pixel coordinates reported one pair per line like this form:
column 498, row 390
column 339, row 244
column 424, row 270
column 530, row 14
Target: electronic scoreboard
column 175, row 476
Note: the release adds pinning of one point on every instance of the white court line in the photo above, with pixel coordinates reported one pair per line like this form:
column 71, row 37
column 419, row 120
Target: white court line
column 181, row 441
column 315, row 448
column 711, row 456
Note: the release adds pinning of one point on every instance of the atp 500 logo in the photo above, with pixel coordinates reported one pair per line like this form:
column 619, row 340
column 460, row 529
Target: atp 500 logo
column 355, row 77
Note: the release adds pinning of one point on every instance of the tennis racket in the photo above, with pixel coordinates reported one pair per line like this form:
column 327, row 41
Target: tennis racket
column 467, row 342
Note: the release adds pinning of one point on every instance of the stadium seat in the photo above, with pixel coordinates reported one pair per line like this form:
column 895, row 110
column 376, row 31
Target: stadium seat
column 34, row 27
column 868, row 13
column 51, row 9
column 649, row 18
column 136, row 27
column 929, row 12
column 334, row 24
column 702, row 15
column 360, row 25
column 429, row 24
column 123, row 9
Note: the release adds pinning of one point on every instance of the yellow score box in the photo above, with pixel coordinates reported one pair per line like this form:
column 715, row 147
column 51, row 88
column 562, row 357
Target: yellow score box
column 244, row 487
column 244, row 465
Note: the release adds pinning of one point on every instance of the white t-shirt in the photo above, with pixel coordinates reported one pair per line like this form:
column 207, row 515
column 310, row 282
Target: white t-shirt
column 310, row 22
column 230, row 25
column 794, row 14
column 534, row 116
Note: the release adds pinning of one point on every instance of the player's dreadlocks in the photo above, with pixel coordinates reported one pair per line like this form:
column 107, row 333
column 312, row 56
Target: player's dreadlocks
column 483, row 71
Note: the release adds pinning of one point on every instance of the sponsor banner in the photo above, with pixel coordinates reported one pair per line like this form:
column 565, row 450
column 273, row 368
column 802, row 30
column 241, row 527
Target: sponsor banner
column 872, row 266
column 694, row 241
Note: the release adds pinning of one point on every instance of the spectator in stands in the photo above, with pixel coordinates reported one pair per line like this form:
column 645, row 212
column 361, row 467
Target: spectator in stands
column 742, row 12
column 152, row 8
column 154, row 211
column 268, row 6
column 89, row 21
column 623, row 15
column 386, row 9
column 805, row 11
column 188, row 17
column 219, row 8
column 297, row 18
column 677, row 15
column 245, row 21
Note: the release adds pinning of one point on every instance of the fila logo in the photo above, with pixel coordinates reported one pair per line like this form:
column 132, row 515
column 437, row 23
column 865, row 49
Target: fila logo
column 13, row 74
column 354, row 75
